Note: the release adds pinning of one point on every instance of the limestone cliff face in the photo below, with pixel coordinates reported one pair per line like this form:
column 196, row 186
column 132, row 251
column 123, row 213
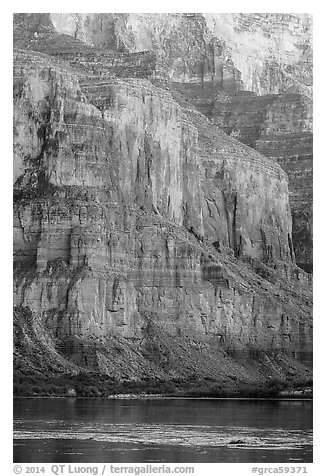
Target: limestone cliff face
column 212, row 58
column 268, row 53
column 142, row 149
column 147, row 241
column 273, row 52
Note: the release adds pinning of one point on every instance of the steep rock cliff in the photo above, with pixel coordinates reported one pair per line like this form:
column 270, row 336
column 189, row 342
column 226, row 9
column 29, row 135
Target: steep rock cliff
column 279, row 126
column 211, row 57
column 267, row 53
column 131, row 214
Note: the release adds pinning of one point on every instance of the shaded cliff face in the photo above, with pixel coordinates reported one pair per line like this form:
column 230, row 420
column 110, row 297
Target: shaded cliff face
column 279, row 126
column 210, row 58
column 147, row 242
column 143, row 149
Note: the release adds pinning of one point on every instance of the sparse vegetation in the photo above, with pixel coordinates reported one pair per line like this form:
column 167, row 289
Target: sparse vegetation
column 94, row 385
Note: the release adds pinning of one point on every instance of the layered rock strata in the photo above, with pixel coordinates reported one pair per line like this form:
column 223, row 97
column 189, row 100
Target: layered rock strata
column 268, row 53
column 279, row 126
column 207, row 55
column 132, row 212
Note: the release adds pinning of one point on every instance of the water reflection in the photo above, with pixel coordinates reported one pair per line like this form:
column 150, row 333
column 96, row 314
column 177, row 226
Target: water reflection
column 76, row 430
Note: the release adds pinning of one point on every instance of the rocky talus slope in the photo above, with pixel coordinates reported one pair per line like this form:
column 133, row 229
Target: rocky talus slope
column 148, row 243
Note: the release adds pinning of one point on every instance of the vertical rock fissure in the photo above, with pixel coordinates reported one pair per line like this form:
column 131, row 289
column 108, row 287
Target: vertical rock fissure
column 291, row 248
column 234, row 226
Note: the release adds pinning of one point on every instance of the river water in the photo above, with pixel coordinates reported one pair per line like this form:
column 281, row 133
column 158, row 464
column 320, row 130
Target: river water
column 162, row 430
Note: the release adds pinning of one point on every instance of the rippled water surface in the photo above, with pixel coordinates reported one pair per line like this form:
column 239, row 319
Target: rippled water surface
column 165, row 430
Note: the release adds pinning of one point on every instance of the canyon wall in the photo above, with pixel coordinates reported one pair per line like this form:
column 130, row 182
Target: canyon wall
column 268, row 53
column 147, row 241
column 212, row 58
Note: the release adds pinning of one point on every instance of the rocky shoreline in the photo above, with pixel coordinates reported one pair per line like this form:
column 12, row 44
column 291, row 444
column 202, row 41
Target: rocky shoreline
column 86, row 386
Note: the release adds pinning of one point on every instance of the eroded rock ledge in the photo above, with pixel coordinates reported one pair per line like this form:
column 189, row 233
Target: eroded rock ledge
column 148, row 243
